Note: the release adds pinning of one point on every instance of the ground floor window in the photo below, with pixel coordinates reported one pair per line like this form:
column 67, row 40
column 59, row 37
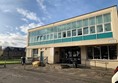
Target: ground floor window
column 102, row 52
column 35, row 53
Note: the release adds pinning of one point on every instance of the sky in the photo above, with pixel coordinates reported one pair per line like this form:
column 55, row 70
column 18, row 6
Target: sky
column 17, row 16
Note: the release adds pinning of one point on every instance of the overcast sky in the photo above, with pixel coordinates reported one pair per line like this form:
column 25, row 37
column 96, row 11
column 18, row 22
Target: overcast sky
column 16, row 16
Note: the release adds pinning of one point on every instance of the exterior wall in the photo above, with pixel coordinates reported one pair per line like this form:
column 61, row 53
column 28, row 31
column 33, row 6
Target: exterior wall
column 56, row 55
column 51, row 56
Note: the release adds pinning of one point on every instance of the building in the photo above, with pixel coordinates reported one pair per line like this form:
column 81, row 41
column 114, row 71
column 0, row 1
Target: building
column 91, row 39
column 12, row 52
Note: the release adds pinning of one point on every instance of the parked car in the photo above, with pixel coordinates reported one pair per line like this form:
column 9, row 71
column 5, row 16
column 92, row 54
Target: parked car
column 115, row 76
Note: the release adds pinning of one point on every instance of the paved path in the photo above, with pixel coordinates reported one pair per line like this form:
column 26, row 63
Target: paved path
column 17, row 74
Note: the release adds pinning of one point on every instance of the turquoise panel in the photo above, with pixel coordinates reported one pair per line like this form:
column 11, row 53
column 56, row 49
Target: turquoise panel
column 67, row 40
column 50, row 42
column 89, row 37
column 105, row 35
column 76, row 38
column 58, row 41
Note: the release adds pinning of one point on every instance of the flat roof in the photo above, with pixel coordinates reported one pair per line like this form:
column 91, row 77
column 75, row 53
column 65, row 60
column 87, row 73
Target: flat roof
column 74, row 17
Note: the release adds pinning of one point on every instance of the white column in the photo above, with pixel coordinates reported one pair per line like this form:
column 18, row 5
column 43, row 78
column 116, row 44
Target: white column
column 51, row 56
column 83, row 55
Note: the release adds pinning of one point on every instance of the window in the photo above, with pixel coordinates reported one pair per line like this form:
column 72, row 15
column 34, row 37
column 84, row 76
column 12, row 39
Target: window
column 96, row 52
column 85, row 22
column 68, row 33
column 69, row 26
column 99, row 28
column 48, row 37
column 73, row 24
column 104, row 52
column 99, row 19
column 59, row 35
column 44, row 37
column 64, row 34
column 35, row 53
column 90, row 52
column 107, row 27
column 85, row 30
column 55, row 35
column 41, row 38
column 92, row 29
column 51, row 36
column 107, row 17
column 112, row 52
column 79, row 24
column 38, row 38
column 74, row 32
column 92, row 21
column 79, row 31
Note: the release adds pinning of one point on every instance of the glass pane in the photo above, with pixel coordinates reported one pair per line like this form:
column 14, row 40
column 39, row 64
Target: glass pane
column 51, row 36
column 104, row 52
column 55, row 29
column 85, row 22
column 107, row 27
column 73, row 24
column 48, row 37
column 92, row 29
column 74, row 32
column 59, row 35
column 79, row 24
column 55, row 35
column 92, row 21
column 90, row 52
column 113, row 52
column 44, row 37
column 99, row 19
column 99, row 28
column 69, row 26
column 85, row 30
column 79, row 31
column 96, row 52
column 68, row 33
column 64, row 34
column 107, row 17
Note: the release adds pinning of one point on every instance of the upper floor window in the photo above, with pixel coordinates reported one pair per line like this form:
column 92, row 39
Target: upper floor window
column 99, row 19
column 74, row 32
column 85, row 22
column 64, row 34
column 85, row 30
column 107, row 17
column 99, row 28
column 107, row 27
column 51, row 36
column 79, row 31
column 92, row 21
column 92, row 29
column 79, row 24
column 68, row 33
column 59, row 35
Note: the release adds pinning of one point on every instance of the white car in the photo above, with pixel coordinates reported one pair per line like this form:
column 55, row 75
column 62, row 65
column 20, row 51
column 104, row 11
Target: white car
column 115, row 76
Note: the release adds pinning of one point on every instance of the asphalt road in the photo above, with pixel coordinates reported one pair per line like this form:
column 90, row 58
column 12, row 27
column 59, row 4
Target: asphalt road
column 15, row 74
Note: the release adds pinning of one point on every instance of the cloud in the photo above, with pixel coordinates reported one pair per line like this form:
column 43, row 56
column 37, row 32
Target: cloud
column 24, row 28
column 41, row 4
column 13, row 39
column 24, row 19
column 28, row 14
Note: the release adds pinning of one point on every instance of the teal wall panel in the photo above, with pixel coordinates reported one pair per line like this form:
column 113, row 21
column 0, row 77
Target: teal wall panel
column 77, row 38
column 67, row 40
column 88, row 37
column 105, row 35
column 58, row 41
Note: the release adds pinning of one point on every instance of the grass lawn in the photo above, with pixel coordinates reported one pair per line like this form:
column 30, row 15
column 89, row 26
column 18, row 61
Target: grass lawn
column 11, row 61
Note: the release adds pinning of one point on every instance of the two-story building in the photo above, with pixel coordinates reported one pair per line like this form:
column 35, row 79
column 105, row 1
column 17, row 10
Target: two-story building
column 91, row 39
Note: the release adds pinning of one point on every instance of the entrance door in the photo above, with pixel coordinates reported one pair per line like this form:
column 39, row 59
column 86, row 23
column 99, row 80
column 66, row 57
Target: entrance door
column 70, row 54
column 42, row 56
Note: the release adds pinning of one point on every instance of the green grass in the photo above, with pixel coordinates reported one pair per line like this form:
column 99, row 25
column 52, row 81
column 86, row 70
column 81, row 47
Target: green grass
column 11, row 61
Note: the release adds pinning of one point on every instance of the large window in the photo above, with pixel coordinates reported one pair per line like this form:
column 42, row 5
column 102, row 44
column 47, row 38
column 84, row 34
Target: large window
column 59, row 35
column 64, row 34
column 68, row 33
column 85, row 30
column 99, row 19
column 107, row 27
column 107, row 17
column 55, row 35
column 79, row 31
column 102, row 52
column 92, row 29
column 35, row 53
column 79, row 24
column 85, row 22
column 99, row 28
column 74, row 32
column 92, row 21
